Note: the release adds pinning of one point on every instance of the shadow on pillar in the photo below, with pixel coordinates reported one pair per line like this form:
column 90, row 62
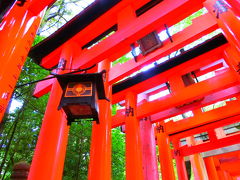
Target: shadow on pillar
column 189, row 170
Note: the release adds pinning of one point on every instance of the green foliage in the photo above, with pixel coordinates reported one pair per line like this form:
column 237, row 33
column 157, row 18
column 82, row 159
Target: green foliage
column 77, row 157
column 187, row 21
column 118, row 154
column 121, row 60
column 19, row 130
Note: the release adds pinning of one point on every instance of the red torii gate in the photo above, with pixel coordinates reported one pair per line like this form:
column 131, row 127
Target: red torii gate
column 131, row 26
column 17, row 32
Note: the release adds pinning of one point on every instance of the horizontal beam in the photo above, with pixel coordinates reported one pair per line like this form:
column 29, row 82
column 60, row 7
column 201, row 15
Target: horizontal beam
column 119, row 119
column 209, row 99
column 199, row 122
column 167, row 12
column 180, row 39
column 227, row 141
column 222, row 151
column 188, row 94
column 42, row 88
column 83, row 28
column 191, row 60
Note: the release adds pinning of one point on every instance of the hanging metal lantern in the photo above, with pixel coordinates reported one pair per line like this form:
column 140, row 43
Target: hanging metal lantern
column 80, row 95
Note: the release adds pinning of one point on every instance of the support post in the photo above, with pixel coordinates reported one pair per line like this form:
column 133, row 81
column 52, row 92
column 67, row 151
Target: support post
column 134, row 168
column 150, row 167
column 17, row 32
column 224, row 175
column 100, row 151
column 211, row 168
column 199, row 169
column 49, row 156
column 180, row 163
column 165, row 153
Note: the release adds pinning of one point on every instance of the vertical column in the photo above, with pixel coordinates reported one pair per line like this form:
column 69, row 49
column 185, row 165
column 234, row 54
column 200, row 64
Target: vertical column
column 165, row 153
column 211, row 168
column 150, row 167
column 134, row 168
column 17, row 32
column 227, row 20
column 49, row 155
column 100, row 152
column 223, row 175
column 180, row 162
column 197, row 162
column 227, row 175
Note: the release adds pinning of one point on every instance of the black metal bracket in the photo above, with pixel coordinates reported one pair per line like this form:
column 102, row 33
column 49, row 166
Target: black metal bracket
column 194, row 74
column 168, row 33
column 169, row 87
column 133, row 51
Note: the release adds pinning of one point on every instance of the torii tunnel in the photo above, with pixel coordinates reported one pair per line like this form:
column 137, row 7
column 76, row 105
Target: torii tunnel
column 186, row 80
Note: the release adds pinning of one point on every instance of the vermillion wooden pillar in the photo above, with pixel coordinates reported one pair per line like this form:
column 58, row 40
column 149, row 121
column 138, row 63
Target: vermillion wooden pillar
column 100, row 152
column 148, row 142
column 165, row 153
column 49, row 155
column 134, row 168
column 48, row 160
column 150, row 167
column 197, row 163
column 180, row 163
column 17, row 32
column 211, row 168
column 223, row 175
column 226, row 18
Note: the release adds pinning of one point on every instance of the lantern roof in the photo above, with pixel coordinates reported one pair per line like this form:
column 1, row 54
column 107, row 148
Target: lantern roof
column 96, row 78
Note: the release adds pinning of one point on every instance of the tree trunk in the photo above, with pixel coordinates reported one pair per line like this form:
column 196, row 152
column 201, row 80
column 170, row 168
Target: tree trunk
column 12, row 135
